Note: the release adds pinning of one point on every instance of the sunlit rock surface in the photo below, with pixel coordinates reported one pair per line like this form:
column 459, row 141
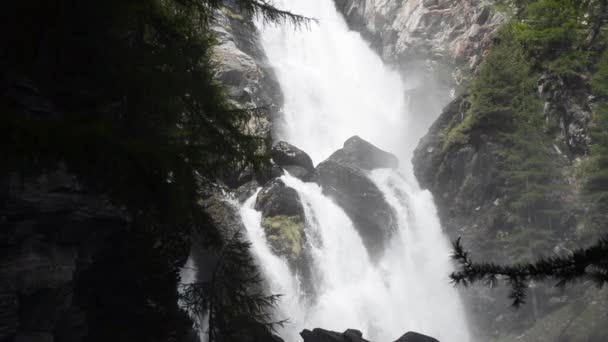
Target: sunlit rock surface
column 447, row 31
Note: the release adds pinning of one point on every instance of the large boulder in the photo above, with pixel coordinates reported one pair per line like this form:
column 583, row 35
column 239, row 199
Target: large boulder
column 415, row 337
column 322, row 335
column 276, row 198
column 282, row 219
column 293, row 160
column 364, row 155
column 344, row 178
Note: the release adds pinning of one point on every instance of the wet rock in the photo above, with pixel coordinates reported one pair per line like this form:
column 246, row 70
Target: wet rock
column 293, row 160
column 246, row 190
column 282, row 219
column 415, row 337
column 364, row 155
column 250, row 82
column 224, row 215
column 343, row 177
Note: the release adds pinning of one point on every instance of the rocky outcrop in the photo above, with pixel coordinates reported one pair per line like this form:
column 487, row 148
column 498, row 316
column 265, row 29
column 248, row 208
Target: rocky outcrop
column 344, row 178
column 223, row 214
column 451, row 32
column 569, row 105
column 242, row 67
column 293, row 160
column 250, row 82
column 352, row 335
column 469, row 191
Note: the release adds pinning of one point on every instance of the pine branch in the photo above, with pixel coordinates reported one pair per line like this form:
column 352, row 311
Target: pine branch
column 233, row 295
column 588, row 263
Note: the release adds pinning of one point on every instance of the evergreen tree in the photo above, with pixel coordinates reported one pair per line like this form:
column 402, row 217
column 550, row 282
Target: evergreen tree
column 122, row 93
column 233, row 301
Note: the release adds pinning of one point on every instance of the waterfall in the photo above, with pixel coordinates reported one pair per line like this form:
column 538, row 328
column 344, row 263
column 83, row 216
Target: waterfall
column 335, row 87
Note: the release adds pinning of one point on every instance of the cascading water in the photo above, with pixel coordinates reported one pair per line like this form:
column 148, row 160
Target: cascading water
column 336, row 87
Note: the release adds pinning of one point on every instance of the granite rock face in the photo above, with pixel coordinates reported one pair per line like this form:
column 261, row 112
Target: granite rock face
column 250, row 82
column 244, row 70
column 469, row 191
column 451, row 32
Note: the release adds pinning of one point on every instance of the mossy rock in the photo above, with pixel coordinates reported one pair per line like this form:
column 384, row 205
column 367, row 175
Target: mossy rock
column 285, row 234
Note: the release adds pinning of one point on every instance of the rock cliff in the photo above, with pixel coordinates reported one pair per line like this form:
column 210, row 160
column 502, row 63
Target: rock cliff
column 449, row 32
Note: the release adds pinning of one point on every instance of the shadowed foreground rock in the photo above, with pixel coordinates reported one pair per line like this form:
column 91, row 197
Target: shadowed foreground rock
column 322, row 335
column 352, row 335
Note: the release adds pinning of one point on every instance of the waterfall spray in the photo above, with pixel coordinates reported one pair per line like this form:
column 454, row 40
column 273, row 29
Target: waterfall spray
column 335, row 87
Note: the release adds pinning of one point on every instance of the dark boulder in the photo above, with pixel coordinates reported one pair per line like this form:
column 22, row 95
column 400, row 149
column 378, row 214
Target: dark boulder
column 364, row 155
column 415, row 337
column 293, row 160
column 322, row 335
column 344, row 177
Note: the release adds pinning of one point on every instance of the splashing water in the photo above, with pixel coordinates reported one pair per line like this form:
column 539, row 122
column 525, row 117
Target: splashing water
column 335, row 87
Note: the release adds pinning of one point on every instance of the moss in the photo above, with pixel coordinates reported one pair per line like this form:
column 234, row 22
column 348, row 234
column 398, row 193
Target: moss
column 285, row 233
column 459, row 135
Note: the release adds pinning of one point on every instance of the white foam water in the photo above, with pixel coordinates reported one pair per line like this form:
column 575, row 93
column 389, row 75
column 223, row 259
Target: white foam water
column 335, row 87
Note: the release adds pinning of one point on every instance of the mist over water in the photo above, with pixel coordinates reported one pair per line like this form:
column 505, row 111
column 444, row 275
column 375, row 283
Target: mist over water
column 335, row 87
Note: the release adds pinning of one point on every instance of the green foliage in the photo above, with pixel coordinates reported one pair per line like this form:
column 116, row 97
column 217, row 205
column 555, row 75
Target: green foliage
column 504, row 89
column 503, row 92
column 596, row 187
column 584, row 263
column 233, row 299
column 563, row 39
column 533, row 179
column 551, row 27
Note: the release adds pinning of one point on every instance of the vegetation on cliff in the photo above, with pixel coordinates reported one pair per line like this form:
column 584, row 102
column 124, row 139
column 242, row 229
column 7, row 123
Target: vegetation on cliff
column 563, row 40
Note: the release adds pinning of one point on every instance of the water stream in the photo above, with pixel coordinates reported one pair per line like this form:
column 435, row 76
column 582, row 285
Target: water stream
column 335, row 87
